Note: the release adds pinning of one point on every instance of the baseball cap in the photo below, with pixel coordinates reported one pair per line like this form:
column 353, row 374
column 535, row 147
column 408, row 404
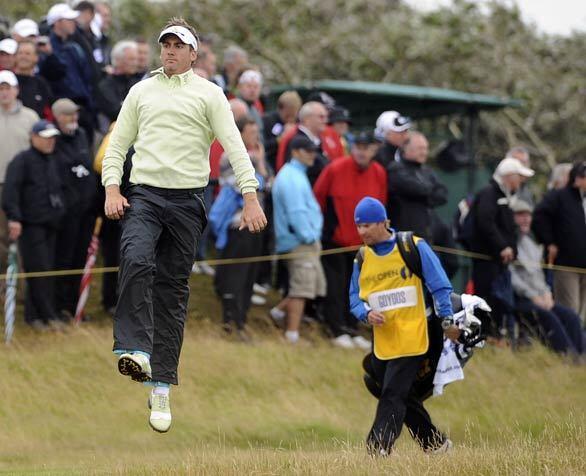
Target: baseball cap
column 303, row 142
column 365, row 137
column 391, row 121
column 520, row 206
column 25, row 27
column 182, row 33
column 509, row 166
column 8, row 46
column 250, row 76
column 61, row 11
column 45, row 129
column 64, row 106
column 369, row 210
column 8, row 77
column 339, row 114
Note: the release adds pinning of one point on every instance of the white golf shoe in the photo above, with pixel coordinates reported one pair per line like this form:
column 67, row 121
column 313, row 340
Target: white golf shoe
column 135, row 366
column 160, row 417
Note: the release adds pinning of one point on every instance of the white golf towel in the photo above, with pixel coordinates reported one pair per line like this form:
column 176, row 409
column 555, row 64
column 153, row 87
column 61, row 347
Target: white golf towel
column 448, row 368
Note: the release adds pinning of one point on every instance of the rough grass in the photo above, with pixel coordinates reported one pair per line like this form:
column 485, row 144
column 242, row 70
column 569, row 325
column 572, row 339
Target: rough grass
column 272, row 409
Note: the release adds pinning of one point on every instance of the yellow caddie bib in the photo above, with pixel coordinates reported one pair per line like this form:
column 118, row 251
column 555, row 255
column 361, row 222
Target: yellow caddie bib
column 389, row 287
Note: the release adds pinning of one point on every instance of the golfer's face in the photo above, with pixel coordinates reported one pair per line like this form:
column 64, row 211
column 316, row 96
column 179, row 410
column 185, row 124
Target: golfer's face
column 176, row 56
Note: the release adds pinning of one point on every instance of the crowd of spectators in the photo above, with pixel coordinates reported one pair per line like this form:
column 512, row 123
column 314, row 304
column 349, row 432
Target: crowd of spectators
column 62, row 84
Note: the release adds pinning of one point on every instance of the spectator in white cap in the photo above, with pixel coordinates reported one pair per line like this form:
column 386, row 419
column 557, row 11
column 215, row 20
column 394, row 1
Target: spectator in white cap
column 558, row 325
column 171, row 119
column 393, row 130
column 8, row 48
column 521, row 153
column 35, row 91
column 77, row 83
column 249, row 87
column 16, row 123
column 494, row 234
column 25, row 29
column 59, row 12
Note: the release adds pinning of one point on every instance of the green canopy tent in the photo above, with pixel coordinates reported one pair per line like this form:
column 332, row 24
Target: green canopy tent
column 366, row 100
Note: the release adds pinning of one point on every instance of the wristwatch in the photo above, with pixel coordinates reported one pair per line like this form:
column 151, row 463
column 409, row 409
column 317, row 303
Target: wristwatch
column 447, row 322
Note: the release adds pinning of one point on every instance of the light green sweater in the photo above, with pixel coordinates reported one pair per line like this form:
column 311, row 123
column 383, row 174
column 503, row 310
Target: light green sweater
column 172, row 121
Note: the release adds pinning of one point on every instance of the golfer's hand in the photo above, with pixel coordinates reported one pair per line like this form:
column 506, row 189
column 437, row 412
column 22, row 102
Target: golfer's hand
column 253, row 217
column 375, row 318
column 14, row 230
column 452, row 333
column 115, row 203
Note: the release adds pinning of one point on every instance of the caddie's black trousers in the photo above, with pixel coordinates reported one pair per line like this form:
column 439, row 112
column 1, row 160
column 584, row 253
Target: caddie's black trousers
column 160, row 232
column 399, row 403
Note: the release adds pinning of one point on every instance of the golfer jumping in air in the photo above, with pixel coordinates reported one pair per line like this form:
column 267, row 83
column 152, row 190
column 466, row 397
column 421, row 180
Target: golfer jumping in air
column 171, row 119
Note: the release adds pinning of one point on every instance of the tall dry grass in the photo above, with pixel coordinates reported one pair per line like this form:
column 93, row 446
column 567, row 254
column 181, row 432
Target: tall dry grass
column 273, row 409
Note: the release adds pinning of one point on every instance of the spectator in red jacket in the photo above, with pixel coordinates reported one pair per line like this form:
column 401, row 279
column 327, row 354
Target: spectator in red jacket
column 339, row 188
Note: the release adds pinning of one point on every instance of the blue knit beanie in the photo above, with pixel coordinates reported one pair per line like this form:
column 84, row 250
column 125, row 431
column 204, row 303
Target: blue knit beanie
column 369, row 210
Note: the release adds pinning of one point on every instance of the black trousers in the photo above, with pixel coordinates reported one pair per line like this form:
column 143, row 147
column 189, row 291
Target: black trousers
column 160, row 232
column 233, row 282
column 338, row 270
column 110, row 247
column 37, row 249
column 73, row 238
column 400, row 403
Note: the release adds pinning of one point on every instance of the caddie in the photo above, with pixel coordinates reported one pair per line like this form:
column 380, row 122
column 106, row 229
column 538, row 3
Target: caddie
column 386, row 293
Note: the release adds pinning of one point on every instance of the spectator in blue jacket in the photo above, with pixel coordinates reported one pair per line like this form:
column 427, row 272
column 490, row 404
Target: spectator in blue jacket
column 77, row 82
column 298, row 226
column 234, row 283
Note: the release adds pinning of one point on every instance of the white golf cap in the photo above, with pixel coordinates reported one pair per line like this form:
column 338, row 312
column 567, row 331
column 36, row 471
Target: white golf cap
column 8, row 46
column 8, row 77
column 182, row 33
column 391, row 121
column 25, row 27
column 61, row 11
column 250, row 76
column 509, row 166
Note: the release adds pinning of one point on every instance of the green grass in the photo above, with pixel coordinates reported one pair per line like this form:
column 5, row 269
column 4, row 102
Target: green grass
column 272, row 409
